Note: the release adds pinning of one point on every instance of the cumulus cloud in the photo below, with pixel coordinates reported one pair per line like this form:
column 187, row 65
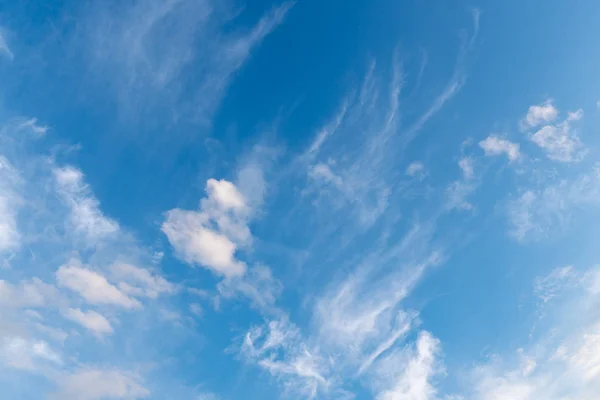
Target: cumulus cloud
column 560, row 142
column 540, row 114
column 93, row 286
column 211, row 236
column 91, row 320
column 494, row 146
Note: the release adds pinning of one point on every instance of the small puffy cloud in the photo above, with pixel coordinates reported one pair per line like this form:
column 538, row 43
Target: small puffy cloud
column 495, row 146
column 86, row 218
column 137, row 281
column 97, row 384
column 195, row 243
column 91, row 320
column 540, row 114
column 93, row 286
column 414, row 169
column 211, row 236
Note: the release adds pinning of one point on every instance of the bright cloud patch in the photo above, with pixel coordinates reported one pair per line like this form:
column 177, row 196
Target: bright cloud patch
column 211, row 236
column 540, row 114
column 494, row 146
column 90, row 320
column 93, row 287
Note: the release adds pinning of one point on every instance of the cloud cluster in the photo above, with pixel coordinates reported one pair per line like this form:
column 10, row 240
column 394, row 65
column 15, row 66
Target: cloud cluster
column 559, row 140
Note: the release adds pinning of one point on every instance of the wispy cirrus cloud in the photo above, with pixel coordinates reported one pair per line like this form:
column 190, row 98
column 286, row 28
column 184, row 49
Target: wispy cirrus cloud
column 149, row 48
column 4, row 48
column 536, row 212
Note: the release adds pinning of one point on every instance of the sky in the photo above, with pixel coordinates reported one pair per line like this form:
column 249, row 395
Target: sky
column 359, row 199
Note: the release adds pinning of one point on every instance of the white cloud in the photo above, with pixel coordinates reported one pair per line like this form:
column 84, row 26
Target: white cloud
column 92, row 286
column 91, row 320
column 560, row 142
column 21, row 353
column 540, row 114
column 409, row 372
column 494, row 146
column 575, row 115
column 98, row 384
column 137, row 281
column 211, row 237
column 86, row 218
column 416, row 168
column 10, row 237
column 360, row 318
column 279, row 348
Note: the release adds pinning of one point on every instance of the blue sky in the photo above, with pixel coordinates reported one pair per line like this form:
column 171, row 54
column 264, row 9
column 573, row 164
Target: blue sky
column 212, row 200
